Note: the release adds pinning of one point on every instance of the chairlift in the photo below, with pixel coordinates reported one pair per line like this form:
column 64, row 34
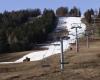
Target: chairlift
column 67, row 37
column 45, row 63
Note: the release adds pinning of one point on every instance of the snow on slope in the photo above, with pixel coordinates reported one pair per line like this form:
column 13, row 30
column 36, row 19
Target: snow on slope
column 52, row 49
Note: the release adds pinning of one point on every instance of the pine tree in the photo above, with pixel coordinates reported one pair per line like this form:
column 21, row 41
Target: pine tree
column 75, row 12
column 87, row 15
column 62, row 11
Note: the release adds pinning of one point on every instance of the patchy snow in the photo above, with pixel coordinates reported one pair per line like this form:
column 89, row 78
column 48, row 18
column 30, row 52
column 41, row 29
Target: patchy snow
column 39, row 55
column 69, row 22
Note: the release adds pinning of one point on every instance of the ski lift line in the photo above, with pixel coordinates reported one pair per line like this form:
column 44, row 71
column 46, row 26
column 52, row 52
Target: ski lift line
column 47, row 52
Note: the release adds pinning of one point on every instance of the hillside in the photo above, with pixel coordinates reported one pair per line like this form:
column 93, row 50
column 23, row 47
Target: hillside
column 66, row 24
column 84, row 65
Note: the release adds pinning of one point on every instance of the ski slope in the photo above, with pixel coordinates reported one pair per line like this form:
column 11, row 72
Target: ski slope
column 67, row 23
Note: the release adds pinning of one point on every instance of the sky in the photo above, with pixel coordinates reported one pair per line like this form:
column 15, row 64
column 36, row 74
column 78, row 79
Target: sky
column 83, row 5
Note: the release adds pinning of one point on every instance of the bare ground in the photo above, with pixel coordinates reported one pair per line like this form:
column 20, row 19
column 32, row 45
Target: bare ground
column 84, row 65
column 7, row 57
column 10, row 57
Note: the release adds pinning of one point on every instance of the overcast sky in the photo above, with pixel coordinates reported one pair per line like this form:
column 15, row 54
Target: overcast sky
column 10, row 5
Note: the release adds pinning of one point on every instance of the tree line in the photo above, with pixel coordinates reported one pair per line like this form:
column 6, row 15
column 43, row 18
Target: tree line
column 66, row 12
column 21, row 30
column 92, row 18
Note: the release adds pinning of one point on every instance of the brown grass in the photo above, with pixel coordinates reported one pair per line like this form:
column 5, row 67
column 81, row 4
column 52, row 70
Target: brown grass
column 7, row 57
column 84, row 65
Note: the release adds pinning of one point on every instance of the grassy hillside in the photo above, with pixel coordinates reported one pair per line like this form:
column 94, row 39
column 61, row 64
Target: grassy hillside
column 84, row 65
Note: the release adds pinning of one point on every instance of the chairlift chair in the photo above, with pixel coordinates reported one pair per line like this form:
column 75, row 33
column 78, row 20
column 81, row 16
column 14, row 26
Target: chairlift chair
column 45, row 62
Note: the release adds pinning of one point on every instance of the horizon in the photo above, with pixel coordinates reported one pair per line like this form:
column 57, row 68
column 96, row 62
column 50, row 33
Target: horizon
column 15, row 5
